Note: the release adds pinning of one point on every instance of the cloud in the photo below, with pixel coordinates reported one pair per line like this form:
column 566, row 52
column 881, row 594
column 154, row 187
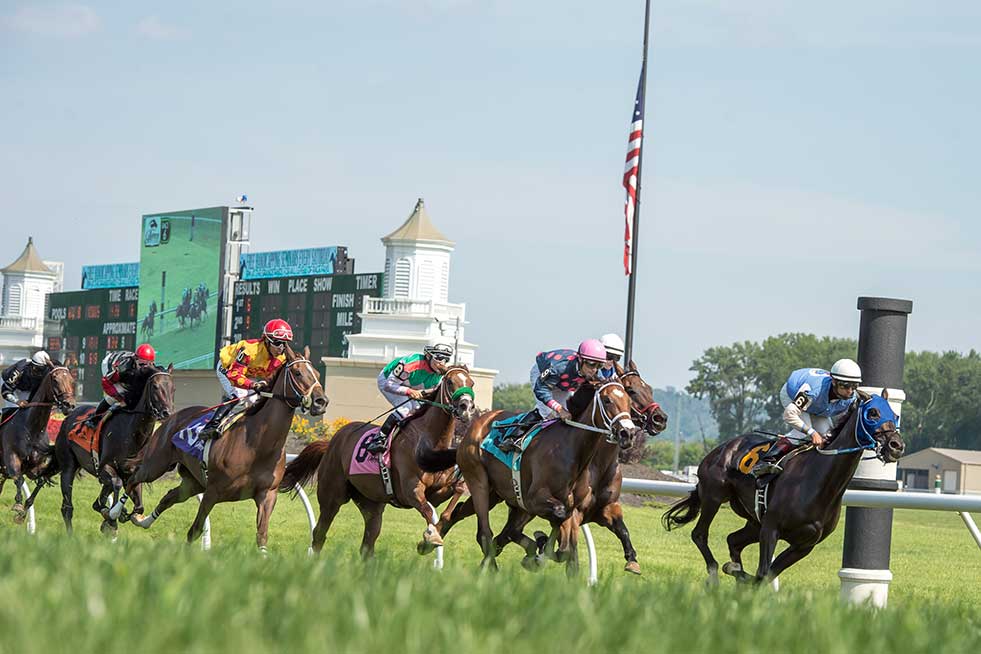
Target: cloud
column 154, row 28
column 57, row 20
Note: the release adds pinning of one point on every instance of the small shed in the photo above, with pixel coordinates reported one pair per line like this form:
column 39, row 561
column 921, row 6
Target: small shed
column 959, row 470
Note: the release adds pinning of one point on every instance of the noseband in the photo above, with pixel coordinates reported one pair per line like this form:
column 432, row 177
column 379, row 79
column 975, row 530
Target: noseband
column 605, row 418
column 445, row 398
column 645, row 415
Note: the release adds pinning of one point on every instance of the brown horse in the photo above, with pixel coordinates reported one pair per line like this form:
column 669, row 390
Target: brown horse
column 598, row 495
column 553, row 466
column 24, row 437
column 246, row 462
column 422, row 461
column 123, row 435
column 804, row 500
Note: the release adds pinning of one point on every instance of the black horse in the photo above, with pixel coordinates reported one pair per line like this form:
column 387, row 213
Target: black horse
column 123, row 434
column 24, row 435
column 804, row 502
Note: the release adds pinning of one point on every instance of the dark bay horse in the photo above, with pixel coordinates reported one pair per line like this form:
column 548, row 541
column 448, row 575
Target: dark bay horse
column 24, row 436
column 422, row 461
column 804, row 500
column 553, row 465
column 122, row 436
column 246, row 462
column 597, row 496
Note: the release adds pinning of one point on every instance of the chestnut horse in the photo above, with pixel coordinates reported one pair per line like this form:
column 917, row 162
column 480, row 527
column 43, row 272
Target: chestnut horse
column 422, row 461
column 24, row 435
column 123, row 435
column 598, row 494
column 246, row 462
column 553, row 465
column 804, row 500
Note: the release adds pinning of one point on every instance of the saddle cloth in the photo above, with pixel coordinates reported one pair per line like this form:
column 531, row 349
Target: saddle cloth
column 501, row 428
column 84, row 436
column 186, row 439
column 364, row 462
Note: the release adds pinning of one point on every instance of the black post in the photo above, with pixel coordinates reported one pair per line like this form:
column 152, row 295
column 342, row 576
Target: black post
column 865, row 570
column 635, row 227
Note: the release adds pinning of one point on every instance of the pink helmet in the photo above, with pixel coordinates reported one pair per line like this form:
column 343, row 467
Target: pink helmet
column 592, row 350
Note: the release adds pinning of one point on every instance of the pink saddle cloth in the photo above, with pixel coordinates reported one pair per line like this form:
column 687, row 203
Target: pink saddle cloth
column 364, row 462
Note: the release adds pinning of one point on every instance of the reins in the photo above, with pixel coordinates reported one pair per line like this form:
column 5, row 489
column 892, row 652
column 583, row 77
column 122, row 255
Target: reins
column 604, row 416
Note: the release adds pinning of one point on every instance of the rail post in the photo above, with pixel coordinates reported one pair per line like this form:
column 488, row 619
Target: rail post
column 865, row 573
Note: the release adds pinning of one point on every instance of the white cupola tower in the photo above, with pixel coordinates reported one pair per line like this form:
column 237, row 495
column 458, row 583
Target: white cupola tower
column 26, row 284
column 417, row 260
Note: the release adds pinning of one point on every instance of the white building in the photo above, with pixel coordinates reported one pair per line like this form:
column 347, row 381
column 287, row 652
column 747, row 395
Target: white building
column 26, row 285
column 414, row 307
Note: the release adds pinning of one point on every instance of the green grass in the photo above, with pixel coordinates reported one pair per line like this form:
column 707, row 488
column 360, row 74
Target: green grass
column 150, row 591
column 187, row 263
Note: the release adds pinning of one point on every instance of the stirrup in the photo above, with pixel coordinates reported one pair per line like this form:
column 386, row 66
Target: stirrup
column 377, row 445
column 508, row 445
column 765, row 468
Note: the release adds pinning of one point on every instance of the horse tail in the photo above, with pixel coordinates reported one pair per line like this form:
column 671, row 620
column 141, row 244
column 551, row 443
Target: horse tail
column 431, row 460
column 682, row 512
column 301, row 470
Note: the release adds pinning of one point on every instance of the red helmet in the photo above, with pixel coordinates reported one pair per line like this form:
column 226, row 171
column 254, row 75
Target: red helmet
column 146, row 352
column 278, row 329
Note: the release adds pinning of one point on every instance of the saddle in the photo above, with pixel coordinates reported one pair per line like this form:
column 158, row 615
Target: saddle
column 88, row 438
column 364, row 462
column 524, row 432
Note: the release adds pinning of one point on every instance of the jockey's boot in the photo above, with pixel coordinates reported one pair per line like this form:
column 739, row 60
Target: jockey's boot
column 93, row 419
column 377, row 443
column 210, row 429
column 510, row 440
column 767, row 464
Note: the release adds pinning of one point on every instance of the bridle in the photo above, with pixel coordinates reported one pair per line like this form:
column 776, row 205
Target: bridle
column 646, row 415
column 154, row 410
column 608, row 421
column 864, row 439
column 62, row 403
column 305, row 397
column 445, row 399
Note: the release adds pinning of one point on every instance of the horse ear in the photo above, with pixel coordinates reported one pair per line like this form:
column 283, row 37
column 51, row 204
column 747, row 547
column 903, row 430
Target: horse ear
column 863, row 396
column 631, row 366
column 885, row 393
column 306, row 351
column 170, row 368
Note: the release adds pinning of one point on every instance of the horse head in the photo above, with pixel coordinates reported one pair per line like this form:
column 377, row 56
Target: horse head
column 649, row 413
column 159, row 392
column 302, row 387
column 609, row 411
column 877, row 427
column 456, row 391
column 60, row 387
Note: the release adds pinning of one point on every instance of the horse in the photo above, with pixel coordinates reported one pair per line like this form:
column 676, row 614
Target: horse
column 182, row 312
column 422, row 460
column 553, row 465
column 194, row 313
column 146, row 327
column 24, row 436
column 803, row 502
column 598, row 496
column 247, row 461
column 122, row 436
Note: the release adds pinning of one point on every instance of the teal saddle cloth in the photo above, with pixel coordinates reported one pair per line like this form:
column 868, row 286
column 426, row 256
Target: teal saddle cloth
column 506, row 427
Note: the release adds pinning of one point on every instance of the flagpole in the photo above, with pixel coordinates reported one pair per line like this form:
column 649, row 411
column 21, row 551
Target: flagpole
column 635, row 228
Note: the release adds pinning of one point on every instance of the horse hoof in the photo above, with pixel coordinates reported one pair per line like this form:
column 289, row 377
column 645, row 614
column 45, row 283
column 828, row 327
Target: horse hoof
column 432, row 536
column 108, row 529
column 732, row 568
column 712, row 581
column 19, row 513
column 541, row 540
column 632, row 567
column 424, row 547
column 533, row 563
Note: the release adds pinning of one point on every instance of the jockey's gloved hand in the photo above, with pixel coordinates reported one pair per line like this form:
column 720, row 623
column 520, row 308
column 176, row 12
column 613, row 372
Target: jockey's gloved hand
column 260, row 385
column 817, row 438
column 563, row 413
column 415, row 394
column 23, row 403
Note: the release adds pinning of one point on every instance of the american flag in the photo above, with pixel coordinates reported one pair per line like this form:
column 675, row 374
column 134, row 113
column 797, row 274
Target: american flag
column 631, row 171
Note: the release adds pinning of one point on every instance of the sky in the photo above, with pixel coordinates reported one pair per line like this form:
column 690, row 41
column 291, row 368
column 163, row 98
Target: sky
column 797, row 155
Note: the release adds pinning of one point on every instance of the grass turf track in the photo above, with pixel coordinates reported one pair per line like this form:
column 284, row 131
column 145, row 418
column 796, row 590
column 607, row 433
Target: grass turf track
column 150, row 592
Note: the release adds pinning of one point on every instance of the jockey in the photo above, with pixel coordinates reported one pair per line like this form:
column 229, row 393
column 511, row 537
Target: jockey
column 120, row 373
column 614, row 352
column 19, row 381
column 245, row 368
column 811, row 398
column 555, row 376
column 409, row 377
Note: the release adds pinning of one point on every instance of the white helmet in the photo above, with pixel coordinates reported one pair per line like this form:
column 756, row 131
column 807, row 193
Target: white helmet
column 41, row 358
column 440, row 348
column 846, row 370
column 613, row 344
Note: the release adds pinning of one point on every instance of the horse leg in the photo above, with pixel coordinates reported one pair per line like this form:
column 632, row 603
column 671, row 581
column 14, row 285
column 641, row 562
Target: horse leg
column 480, row 494
column 449, row 518
column 513, row 533
column 768, row 543
column 188, row 488
column 67, row 480
column 114, row 486
column 737, row 541
column 265, row 502
column 137, row 493
column 612, row 518
column 787, row 558
column 37, row 489
column 568, row 550
column 331, row 495
column 430, row 537
column 371, row 512
column 699, row 536
column 13, row 467
column 208, row 502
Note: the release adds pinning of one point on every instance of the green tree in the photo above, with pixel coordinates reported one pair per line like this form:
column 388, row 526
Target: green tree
column 728, row 377
column 513, row 397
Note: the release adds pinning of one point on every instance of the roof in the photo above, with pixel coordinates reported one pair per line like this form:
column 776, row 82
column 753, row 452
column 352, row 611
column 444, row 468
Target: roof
column 418, row 227
column 28, row 261
column 963, row 456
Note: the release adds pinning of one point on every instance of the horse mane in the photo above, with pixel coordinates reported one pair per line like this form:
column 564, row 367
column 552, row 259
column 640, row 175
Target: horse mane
column 846, row 417
column 581, row 399
column 290, row 356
